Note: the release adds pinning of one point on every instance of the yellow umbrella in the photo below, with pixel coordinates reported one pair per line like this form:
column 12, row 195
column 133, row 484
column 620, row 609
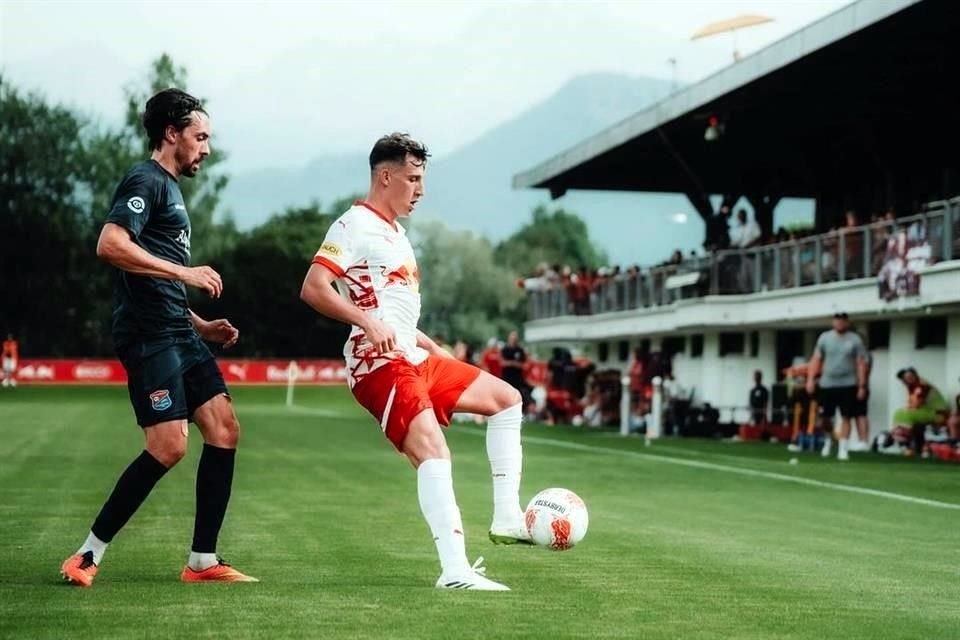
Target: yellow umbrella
column 731, row 25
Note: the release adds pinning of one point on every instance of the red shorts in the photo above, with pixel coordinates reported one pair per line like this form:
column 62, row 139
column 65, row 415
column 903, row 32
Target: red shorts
column 399, row 391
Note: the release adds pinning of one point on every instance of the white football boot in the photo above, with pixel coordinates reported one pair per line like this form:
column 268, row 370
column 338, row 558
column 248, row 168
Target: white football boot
column 472, row 578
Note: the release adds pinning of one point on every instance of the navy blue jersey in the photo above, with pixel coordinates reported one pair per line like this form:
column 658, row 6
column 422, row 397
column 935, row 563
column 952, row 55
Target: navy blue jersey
column 148, row 203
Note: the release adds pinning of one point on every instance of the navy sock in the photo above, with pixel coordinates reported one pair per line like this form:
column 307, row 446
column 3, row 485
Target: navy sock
column 214, row 479
column 133, row 487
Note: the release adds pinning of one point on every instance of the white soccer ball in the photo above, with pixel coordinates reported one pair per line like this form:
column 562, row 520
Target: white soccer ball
column 556, row 519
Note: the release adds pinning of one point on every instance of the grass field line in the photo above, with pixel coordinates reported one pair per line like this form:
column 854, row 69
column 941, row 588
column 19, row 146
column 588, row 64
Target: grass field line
column 713, row 466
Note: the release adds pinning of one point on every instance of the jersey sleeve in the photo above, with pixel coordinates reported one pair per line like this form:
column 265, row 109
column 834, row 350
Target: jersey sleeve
column 133, row 202
column 819, row 348
column 340, row 249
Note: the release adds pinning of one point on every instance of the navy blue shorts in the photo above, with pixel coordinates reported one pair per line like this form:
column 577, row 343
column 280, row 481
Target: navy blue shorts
column 170, row 381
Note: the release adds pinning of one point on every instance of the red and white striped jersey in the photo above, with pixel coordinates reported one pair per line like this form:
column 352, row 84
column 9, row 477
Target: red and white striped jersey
column 377, row 272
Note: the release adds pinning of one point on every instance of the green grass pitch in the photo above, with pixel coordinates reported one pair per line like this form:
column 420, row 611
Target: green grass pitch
column 684, row 542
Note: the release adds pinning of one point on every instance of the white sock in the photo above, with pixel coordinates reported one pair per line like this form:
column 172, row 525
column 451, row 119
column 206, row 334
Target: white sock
column 842, row 444
column 96, row 545
column 439, row 507
column 201, row 561
column 506, row 462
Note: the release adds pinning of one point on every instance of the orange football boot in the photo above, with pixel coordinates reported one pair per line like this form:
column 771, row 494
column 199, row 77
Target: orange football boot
column 79, row 569
column 220, row 572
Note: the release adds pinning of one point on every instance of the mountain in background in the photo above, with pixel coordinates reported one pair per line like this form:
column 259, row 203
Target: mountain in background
column 470, row 188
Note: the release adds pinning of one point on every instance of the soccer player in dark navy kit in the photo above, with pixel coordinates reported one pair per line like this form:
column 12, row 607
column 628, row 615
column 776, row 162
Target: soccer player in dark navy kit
column 172, row 376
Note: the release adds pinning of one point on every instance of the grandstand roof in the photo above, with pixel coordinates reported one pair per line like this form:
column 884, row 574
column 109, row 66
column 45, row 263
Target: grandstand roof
column 865, row 96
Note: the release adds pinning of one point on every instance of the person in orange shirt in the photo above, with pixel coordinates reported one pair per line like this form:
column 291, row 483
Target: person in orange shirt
column 9, row 361
column 490, row 360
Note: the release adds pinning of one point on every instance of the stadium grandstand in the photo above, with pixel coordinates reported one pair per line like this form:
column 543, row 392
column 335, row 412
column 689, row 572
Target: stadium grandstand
column 854, row 111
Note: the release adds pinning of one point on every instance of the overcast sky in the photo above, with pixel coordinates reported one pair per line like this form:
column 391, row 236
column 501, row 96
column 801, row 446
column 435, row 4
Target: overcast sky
column 287, row 81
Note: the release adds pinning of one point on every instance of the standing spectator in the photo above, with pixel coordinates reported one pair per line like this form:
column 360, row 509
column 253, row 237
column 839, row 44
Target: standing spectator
column 512, row 358
column 640, row 388
column 490, row 358
column 860, row 407
column 759, row 399
column 925, row 406
column 718, row 231
column 746, row 233
column 840, row 359
column 10, row 361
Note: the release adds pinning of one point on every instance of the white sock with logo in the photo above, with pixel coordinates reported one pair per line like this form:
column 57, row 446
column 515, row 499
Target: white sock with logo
column 96, row 545
column 506, row 462
column 439, row 506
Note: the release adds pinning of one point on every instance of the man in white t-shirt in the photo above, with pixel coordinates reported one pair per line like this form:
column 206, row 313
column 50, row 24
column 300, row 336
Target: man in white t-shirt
column 403, row 378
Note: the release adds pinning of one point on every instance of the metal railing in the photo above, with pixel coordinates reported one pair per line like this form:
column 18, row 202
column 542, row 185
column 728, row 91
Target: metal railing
column 849, row 253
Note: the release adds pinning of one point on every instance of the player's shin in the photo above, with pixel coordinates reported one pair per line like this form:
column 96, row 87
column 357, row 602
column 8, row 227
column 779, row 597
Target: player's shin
column 439, row 506
column 214, row 481
column 133, row 487
column 506, row 462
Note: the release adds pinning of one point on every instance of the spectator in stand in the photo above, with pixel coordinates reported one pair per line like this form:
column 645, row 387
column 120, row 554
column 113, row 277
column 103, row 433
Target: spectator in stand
column 852, row 246
column 461, row 351
column 513, row 359
column 747, row 232
column 718, row 231
column 10, row 356
column 581, row 284
column 759, row 399
column 926, row 406
column 743, row 236
column 490, row 358
column 840, row 359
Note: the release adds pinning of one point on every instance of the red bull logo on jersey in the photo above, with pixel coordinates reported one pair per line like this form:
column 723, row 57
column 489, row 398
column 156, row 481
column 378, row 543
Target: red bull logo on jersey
column 406, row 275
column 160, row 400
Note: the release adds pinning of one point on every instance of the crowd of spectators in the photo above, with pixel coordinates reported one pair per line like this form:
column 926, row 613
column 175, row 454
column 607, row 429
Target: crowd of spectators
column 731, row 262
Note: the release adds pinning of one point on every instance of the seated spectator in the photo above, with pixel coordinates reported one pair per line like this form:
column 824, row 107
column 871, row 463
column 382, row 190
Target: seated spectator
column 925, row 406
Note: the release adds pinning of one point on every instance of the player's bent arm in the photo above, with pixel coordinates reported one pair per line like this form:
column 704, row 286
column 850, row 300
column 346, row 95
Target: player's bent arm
column 116, row 247
column 317, row 291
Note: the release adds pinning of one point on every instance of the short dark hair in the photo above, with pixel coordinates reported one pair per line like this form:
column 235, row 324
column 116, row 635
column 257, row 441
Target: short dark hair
column 395, row 147
column 170, row 107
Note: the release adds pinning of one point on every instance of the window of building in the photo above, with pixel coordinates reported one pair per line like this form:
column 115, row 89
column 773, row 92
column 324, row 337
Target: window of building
column 696, row 345
column 878, row 335
column 931, row 332
column 603, row 351
column 731, row 343
column 754, row 344
column 673, row 345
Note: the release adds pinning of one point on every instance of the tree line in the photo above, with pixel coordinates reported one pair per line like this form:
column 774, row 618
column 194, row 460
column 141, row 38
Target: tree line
column 59, row 169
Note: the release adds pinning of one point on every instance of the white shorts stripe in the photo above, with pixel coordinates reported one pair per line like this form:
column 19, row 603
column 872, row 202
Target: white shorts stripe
column 386, row 409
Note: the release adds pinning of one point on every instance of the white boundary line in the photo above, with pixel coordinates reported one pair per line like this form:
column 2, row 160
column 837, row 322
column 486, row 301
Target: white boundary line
column 712, row 466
